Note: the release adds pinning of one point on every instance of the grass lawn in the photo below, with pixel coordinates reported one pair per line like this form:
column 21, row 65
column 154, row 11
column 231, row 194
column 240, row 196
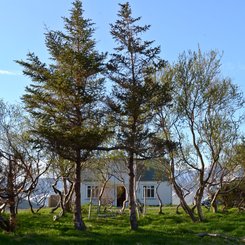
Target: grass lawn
column 168, row 228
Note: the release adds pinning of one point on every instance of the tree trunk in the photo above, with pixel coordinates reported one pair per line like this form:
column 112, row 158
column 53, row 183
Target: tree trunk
column 77, row 216
column 11, row 199
column 214, row 201
column 214, row 206
column 144, row 208
column 159, row 199
column 132, row 199
column 188, row 210
column 12, row 218
column 200, row 212
column 177, row 209
column 101, row 194
column 180, row 193
column 90, row 205
column 99, row 205
column 125, row 201
column 183, row 203
column 61, row 202
column 68, row 197
column 67, row 204
column 30, row 203
column 198, row 200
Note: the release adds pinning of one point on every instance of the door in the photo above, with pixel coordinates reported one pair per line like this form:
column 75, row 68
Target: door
column 121, row 195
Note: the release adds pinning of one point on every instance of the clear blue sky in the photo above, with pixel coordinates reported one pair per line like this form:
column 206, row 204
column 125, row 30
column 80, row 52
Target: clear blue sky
column 177, row 25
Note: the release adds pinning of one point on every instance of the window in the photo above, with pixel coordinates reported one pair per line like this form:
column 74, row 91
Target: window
column 149, row 191
column 92, row 191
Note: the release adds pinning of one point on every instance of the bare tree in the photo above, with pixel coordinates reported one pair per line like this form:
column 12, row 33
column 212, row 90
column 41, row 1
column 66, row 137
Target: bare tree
column 101, row 172
column 21, row 165
column 63, row 171
column 203, row 121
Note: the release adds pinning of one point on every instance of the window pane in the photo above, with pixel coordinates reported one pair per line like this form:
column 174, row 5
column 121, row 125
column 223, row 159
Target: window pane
column 92, row 191
column 149, row 191
column 89, row 191
column 152, row 192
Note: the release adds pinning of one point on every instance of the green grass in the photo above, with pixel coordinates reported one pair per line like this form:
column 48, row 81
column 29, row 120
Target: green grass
column 168, row 228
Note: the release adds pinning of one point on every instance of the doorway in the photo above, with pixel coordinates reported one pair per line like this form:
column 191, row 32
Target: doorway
column 121, row 195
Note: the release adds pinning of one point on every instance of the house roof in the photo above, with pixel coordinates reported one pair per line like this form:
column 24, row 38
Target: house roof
column 143, row 173
column 151, row 174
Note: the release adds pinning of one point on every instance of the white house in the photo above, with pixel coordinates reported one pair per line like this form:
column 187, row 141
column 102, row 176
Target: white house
column 116, row 189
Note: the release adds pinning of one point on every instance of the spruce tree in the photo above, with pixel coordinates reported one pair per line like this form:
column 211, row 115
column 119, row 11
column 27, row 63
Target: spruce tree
column 135, row 93
column 65, row 96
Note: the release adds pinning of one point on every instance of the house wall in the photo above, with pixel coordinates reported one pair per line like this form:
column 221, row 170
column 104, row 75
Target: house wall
column 164, row 191
column 84, row 198
column 110, row 194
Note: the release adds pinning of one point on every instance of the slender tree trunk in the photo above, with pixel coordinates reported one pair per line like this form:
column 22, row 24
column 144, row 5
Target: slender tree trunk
column 2, row 207
column 159, row 199
column 101, row 194
column 183, row 203
column 17, row 202
column 30, row 203
column 90, row 204
column 132, row 199
column 77, row 216
column 180, row 193
column 214, row 201
column 61, row 202
column 177, row 209
column 198, row 200
column 67, row 204
column 68, row 197
column 11, row 198
column 55, row 208
column 214, row 206
column 99, row 205
column 144, row 208
column 125, row 201
column 199, row 211
column 188, row 210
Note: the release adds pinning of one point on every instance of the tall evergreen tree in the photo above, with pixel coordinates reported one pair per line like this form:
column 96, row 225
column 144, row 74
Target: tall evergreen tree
column 65, row 96
column 135, row 92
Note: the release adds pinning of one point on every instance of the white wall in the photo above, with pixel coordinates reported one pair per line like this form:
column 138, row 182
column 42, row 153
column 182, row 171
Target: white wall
column 164, row 191
column 110, row 192
column 84, row 185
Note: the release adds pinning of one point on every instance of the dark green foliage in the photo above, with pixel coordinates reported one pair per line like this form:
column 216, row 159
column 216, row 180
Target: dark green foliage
column 132, row 68
column 239, row 155
column 65, row 96
column 233, row 194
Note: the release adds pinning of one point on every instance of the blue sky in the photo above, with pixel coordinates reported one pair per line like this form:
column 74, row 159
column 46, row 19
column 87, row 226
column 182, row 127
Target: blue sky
column 176, row 25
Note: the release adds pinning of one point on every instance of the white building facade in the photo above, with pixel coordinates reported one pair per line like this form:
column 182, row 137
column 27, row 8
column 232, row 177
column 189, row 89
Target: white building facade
column 116, row 191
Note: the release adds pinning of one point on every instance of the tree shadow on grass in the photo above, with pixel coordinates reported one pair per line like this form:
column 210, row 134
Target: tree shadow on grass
column 139, row 237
